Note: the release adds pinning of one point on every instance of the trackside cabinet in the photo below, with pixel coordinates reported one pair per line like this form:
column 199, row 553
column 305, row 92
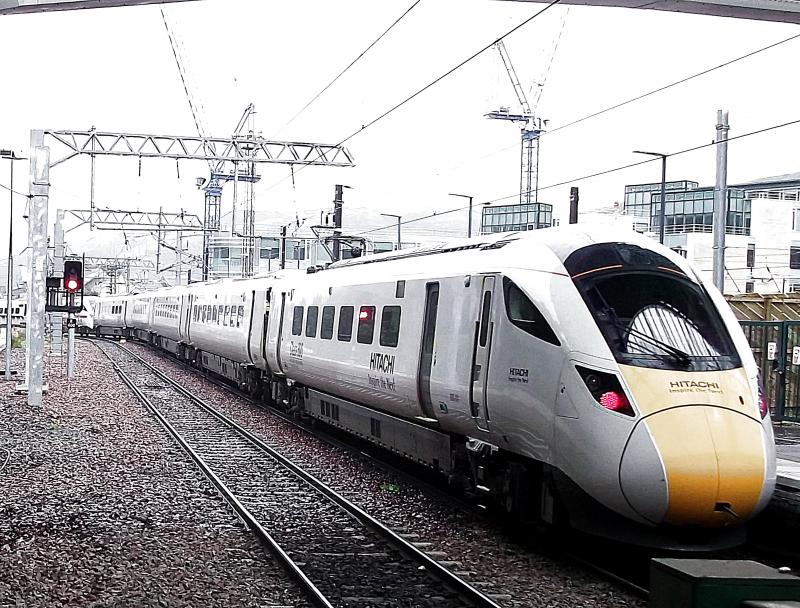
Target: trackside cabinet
column 717, row 583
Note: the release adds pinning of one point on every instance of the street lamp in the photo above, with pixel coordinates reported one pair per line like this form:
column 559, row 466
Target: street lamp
column 398, row 226
column 9, row 154
column 661, row 213
column 469, row 224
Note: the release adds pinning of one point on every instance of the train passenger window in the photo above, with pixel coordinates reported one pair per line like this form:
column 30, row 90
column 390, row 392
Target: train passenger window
column 311, row 321
column 524, row 314
column 232, row 320
column 400, row 289
column 345, row 333
column 297, row 322
column 486, row 308
column 326, row 331
column 390, row 325
column 366, row 325
column 240, row 316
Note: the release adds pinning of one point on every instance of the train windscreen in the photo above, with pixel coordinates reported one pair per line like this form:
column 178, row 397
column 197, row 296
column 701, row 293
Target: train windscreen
column 653, row 315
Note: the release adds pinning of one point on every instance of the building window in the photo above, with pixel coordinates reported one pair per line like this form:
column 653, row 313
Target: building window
column 794, row 258
column 390, row 325
column 345, row 332
column 297, row 322
column 749, row 287
column 366, row 325
column 751, row 255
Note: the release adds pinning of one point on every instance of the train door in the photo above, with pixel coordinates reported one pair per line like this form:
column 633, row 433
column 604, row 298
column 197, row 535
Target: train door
column 481, row 353
column 186, row 311
column 267, row 300
column 280, row 332
column 254, row 310
column 427, row 355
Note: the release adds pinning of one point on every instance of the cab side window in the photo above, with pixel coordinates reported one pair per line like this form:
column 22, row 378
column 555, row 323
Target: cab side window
column 524, row 314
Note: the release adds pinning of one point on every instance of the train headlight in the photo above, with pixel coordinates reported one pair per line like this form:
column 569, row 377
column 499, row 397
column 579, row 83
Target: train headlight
column 606, row 390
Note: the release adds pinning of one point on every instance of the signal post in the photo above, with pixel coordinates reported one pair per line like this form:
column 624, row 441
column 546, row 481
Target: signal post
column 66, row 295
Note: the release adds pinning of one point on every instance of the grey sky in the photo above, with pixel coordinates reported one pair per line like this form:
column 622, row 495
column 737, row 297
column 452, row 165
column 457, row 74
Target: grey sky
column 114, row 69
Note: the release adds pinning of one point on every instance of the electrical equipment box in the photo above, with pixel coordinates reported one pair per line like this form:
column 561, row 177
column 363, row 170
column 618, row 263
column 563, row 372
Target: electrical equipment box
column 717, row 583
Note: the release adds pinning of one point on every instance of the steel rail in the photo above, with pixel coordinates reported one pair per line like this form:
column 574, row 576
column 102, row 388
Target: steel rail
column 586, row 563
column 317, row 597
column 449, row 579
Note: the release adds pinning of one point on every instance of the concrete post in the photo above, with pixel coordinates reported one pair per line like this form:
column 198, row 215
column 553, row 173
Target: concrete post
column 37, row 241
column 56, row 318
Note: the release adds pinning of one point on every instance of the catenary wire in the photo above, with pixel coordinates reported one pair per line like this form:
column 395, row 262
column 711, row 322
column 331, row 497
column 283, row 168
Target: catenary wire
column 15, row 191
column 419, row 92
column 648, row 93
column 672, row 84
column 350, row 65
column 590, row 175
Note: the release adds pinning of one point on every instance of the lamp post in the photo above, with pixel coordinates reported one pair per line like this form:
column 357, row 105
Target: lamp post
column 469, row 223
column 398, row 217
column 9, row 154
column 661, row 213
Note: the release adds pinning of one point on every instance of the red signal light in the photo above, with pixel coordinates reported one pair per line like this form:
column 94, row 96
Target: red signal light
column 73, row 276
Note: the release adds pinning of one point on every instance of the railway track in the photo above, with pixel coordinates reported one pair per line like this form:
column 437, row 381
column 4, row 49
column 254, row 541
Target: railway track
column 338, row 554
column 620, row 576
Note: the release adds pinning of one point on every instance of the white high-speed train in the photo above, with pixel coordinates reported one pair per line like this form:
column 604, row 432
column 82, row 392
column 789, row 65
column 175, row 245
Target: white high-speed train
column 570, row 374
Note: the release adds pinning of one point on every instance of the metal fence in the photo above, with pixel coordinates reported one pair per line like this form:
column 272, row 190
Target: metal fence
column 776, row 347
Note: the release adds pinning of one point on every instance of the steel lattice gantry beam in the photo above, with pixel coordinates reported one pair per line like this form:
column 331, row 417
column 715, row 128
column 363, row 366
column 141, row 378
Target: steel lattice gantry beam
column 94, row 262
column 247, row 148
column 109, row 219
column 15, row 7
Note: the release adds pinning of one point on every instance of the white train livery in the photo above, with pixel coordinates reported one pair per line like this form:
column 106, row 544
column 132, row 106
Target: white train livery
column 568, row 373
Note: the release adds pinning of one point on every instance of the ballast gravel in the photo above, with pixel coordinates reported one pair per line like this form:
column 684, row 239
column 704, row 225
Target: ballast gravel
column 99, row 507
column 469, row 545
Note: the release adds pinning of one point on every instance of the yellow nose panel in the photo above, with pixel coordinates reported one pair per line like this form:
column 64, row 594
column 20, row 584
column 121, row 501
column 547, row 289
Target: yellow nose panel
column 706, row 427
column 714, row 462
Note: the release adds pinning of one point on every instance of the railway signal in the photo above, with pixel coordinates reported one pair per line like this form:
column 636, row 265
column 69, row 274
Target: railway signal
column 73, row 276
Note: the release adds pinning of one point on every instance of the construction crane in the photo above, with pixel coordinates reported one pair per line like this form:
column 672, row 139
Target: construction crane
column 532, row 128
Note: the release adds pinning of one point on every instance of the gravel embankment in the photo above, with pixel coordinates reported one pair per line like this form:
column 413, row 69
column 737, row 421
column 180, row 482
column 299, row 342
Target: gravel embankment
column 99, row 507
column 514, row 574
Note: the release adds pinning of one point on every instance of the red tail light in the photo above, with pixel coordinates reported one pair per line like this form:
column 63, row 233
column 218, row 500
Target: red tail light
column 763, row 404
column 606, row 390
column 614, row 401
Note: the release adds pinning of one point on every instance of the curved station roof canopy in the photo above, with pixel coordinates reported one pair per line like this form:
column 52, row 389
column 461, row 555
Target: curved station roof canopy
column 762, row 10
column 11, row 7
column 787, row 11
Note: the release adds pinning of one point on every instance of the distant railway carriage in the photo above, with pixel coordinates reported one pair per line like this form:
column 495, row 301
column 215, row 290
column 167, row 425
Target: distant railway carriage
column 566, row 373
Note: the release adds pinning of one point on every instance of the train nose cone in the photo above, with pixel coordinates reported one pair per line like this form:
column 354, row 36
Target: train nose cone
column 711, row 458
column 642, row 477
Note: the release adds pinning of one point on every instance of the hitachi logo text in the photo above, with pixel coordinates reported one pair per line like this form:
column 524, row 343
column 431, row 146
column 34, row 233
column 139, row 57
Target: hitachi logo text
column 381, row 363
column 693, row 384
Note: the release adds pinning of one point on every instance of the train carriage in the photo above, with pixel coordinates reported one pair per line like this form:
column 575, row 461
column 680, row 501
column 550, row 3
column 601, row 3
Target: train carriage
column 568, row 374
column 109, row 316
